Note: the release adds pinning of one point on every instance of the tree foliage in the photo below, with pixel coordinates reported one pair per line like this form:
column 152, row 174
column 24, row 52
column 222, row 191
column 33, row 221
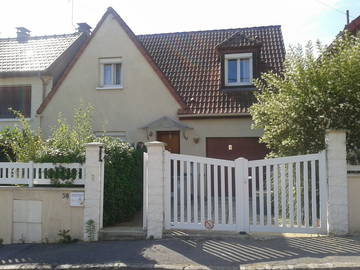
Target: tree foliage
column 22, row 144
column 312, row 95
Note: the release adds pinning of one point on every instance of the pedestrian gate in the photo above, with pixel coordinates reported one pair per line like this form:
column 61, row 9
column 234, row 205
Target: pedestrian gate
column 271, row 195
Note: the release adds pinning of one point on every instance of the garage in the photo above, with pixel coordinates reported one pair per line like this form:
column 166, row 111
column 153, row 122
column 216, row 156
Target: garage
column 232, row 148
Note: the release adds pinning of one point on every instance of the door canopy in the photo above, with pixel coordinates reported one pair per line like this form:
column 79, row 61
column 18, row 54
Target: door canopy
column 165, row 124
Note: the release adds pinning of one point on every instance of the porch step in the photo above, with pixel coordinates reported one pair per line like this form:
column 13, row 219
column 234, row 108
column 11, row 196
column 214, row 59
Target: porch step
column 121, row 233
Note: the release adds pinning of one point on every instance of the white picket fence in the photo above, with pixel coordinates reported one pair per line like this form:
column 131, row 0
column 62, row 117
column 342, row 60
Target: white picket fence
column 16, row 173
column 272, row 195
column 353, row 169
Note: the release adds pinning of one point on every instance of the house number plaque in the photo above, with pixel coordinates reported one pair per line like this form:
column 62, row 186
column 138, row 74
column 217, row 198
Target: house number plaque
column 77, row 198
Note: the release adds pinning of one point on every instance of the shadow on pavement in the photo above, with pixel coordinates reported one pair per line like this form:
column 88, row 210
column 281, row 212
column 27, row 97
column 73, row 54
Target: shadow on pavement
column 179, row 251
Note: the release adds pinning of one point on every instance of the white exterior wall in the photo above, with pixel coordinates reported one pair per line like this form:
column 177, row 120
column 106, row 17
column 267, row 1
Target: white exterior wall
column 143, row 99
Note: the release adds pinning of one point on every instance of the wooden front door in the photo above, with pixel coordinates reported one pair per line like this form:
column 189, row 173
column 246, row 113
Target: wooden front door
column 172, row 140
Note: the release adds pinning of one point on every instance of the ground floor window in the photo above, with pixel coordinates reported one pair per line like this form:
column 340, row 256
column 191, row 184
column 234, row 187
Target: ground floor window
column 121, row 135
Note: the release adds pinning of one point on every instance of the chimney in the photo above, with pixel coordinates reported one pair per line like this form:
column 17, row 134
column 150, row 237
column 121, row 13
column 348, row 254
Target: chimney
column 23, row 34
column 84, row 28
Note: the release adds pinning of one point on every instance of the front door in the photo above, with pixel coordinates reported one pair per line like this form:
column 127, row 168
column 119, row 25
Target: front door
column 172, row 140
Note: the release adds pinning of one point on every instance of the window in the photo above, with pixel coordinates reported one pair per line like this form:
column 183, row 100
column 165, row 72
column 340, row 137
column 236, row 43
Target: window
column 120, row 135
column 238, row 69
column 110, row 73
column 16, row 97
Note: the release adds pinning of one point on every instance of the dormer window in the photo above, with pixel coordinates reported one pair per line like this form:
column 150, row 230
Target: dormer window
column 238, row 69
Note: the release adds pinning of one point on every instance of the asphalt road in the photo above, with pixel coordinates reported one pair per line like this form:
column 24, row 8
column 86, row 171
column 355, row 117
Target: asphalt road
column 180, row 252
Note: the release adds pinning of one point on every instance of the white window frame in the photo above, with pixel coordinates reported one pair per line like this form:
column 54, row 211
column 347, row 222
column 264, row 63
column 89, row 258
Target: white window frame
column 113, row 61
column 238, row 57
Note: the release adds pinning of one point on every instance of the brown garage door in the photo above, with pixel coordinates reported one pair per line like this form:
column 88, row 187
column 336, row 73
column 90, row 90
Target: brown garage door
column 232, row 148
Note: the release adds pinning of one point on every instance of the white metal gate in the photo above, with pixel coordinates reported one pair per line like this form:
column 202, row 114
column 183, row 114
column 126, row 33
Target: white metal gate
column 272, row 195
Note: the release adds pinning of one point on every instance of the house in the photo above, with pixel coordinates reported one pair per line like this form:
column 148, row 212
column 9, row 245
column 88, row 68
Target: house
column 354, row 26
column 191, row 90
column 29, row 66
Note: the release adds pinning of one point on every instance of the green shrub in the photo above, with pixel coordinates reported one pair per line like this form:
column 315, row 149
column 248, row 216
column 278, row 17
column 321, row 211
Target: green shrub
column 67, row 142
column 65, row 237
column 24, row 144
column 6, row 136
column 90, row 229
column 122, row 191
column 312, row 95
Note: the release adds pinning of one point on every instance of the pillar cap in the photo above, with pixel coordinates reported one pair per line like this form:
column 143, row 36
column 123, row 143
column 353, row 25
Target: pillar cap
column 155, row 143
column 327, row 131
column 94, row 144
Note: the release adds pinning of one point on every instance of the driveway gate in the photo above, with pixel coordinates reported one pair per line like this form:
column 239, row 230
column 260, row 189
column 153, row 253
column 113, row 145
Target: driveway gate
column 271, row 195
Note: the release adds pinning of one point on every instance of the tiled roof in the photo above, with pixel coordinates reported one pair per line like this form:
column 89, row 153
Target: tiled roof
column 191, row 63
column 353, row 26
column 239, row 40
column 36, row 54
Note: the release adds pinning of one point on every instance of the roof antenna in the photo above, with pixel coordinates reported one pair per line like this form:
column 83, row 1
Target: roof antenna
column 72, row 13
column 347, row 16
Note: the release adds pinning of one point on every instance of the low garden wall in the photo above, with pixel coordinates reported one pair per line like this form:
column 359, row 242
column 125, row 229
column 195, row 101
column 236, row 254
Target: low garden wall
column 354, row 202
column 39, row 214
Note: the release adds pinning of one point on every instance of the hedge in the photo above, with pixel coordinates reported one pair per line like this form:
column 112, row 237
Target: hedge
column 123, row 182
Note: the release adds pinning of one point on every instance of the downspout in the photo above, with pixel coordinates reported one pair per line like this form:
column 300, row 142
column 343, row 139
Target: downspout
column 45, row 82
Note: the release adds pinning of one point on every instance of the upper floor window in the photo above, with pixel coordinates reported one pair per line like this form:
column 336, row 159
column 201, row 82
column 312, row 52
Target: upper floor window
column 110, row 73
column 238, row 69
column 17, row 98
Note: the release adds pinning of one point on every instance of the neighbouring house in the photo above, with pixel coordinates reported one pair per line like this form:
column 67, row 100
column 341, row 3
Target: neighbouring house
column 191, row 90
column 354, row 26
column 29, row 67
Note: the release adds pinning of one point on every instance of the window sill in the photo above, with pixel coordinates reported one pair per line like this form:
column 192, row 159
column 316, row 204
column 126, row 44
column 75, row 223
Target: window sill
column 238, row 84
column 113, row 87
column 242, row 88
column 13, row 119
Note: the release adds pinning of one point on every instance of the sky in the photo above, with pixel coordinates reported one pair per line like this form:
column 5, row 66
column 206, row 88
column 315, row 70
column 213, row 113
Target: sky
column 301, row 20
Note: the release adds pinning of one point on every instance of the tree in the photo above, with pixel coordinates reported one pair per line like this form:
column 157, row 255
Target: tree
column 311, row 95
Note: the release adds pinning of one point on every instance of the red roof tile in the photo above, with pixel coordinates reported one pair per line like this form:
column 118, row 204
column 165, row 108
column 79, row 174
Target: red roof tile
column 353, row 26
column 191, row 63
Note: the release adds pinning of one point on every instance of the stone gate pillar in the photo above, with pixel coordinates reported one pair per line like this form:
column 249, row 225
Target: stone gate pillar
column 337, row 182
column 155, row 190
column 94, row 190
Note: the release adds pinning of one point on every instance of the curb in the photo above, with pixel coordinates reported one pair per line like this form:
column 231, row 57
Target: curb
column 124, row 266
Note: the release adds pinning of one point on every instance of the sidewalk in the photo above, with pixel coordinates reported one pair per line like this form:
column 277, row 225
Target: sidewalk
column 173, row 253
